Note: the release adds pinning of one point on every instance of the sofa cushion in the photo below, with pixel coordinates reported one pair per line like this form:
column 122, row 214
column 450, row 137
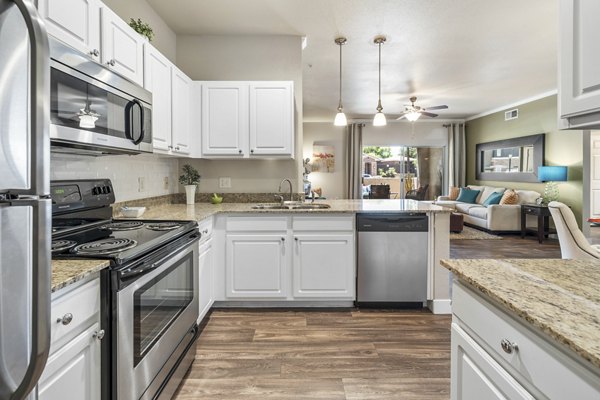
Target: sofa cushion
column 446, row 203
column 465, row 207
column 487, row 191
column 527, row 196
column 493, row 198
column 467, row 195
column 479, row 212
column 509, row 197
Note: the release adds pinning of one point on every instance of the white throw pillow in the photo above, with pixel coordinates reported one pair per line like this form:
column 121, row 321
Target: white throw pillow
column 527, row 196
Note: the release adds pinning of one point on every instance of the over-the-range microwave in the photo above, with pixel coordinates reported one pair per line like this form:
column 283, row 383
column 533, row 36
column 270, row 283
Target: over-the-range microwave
column 93, row 110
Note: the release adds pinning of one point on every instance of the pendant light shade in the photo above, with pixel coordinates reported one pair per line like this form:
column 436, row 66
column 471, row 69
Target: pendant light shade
column 340, row 117
column 379, row 119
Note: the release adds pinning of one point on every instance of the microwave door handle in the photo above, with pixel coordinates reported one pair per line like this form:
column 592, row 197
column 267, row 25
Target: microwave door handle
column 142, row 133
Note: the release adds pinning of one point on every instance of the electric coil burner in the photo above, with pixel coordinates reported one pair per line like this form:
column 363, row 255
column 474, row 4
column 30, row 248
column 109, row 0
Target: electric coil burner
column 149, row 291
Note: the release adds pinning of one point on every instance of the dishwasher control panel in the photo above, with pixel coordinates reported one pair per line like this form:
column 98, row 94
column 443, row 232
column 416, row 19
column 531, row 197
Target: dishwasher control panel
column 398, row 222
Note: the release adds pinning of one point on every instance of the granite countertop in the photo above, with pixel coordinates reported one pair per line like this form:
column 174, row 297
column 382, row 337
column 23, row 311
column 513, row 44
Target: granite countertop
column 67, row 272
column 200, row 211
column 559, row 297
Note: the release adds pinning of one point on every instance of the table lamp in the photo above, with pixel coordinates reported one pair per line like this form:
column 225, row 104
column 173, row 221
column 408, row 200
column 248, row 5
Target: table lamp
column 551, row 175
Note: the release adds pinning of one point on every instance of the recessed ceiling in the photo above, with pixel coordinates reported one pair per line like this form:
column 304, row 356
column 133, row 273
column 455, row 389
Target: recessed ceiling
column 472, row 55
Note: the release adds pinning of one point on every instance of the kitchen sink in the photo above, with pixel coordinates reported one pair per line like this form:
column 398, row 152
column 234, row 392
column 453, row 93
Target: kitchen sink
column 311, row 207
column 270, row 207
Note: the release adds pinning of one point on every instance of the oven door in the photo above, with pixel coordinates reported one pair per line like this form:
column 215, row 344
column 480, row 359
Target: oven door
column 155, row 314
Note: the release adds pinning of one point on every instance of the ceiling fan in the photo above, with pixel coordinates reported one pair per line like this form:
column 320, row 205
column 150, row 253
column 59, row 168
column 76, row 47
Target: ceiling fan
column 412, row 112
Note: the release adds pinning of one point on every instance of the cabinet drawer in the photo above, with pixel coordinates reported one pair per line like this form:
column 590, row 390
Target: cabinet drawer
column 536, row 360
column 80, row 306
column 206, row 227
column 257, row 223
column 323, row 223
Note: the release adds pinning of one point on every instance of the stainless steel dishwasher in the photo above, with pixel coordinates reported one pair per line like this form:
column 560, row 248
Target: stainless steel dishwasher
column 392, row 259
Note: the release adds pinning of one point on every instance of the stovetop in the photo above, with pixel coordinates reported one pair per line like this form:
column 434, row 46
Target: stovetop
column 117, row 240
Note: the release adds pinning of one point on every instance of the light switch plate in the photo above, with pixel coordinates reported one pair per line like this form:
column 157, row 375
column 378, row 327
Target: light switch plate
column 224, row 182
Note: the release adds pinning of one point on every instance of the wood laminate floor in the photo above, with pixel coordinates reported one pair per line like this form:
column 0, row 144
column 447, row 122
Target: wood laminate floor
column 321, row 355
column 352, row 355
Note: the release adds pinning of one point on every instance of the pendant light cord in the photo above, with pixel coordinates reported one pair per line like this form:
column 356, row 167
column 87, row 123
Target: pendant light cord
column 379, row 107
column 340, row 108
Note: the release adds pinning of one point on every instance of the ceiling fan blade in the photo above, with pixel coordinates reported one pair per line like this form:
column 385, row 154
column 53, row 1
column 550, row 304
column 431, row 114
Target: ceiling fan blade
column 436, row 108
column 428, row 114
column 401, row 117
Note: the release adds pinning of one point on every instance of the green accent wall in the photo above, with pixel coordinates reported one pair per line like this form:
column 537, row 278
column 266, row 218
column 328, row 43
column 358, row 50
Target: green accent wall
column 562, row 147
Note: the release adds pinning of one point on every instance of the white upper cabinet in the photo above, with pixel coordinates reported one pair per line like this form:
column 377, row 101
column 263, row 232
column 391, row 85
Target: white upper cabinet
column 182, row 109
column 74, row 22
column 122, row 47
column 157, row 79
column 225, row 119
column 271, row 118
column 247, row 119
column 579, row 59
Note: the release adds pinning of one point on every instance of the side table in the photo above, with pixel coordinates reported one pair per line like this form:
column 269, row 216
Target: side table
column 543, row 219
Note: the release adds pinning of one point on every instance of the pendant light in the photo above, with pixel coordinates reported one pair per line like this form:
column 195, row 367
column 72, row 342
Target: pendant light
column 379, row 119
column 340, row 117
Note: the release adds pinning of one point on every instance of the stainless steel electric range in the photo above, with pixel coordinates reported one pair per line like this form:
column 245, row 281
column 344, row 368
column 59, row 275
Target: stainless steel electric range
column 149, row 292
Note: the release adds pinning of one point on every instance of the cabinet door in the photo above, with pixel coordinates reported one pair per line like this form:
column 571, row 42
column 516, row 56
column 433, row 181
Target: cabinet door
column 256, row 266
column 476, row 375
column 579, row 81
column 225, row 119
column 271, row 118
column 73, row 372
column 157, row 79
column 181, row 111
column 205, row 273
column 75, row 22
column 122, row 47
column 324, row 266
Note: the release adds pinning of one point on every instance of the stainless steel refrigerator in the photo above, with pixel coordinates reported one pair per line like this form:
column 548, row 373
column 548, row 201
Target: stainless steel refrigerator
column 25, row 208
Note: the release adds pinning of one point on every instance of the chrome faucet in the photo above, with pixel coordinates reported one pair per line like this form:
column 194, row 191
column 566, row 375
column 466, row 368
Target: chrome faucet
column 291, row 188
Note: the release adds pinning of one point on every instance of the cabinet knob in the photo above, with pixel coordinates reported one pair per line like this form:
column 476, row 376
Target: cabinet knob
column 66, row 319
column 95, row 53
column 508, row 346
column 240, row 151
column 252, row 151
column 205, row 232
column 170, row 147
column 177, row 148
column 283, row 239
column 99, row 334
column 112, row 62
column 296, row 239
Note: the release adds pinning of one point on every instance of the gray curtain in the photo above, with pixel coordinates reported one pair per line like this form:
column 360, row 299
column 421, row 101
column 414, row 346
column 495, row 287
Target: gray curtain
column 353, row 168
column 457, row 173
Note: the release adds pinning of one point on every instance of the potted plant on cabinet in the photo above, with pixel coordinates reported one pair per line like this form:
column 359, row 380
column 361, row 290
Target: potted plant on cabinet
column 189, row 179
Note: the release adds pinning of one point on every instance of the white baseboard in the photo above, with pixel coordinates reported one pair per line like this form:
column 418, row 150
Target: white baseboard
column 440, row 306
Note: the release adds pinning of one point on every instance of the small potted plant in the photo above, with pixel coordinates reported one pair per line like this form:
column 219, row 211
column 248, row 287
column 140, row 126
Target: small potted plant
column 142, row 28
column 189, row 179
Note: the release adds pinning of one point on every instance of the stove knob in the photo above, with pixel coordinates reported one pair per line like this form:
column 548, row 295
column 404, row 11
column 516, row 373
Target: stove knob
column 95, row 191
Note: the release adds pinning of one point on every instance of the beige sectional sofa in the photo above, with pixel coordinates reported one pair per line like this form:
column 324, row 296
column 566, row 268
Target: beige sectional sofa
column 496, row 217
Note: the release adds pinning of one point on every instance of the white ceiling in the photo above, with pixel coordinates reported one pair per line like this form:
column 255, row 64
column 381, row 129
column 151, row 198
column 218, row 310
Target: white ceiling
column 473, row 55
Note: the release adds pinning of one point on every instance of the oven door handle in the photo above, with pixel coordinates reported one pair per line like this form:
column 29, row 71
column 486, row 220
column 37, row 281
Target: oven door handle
column 131, row 273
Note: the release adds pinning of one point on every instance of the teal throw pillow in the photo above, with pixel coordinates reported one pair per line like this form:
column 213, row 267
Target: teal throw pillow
column 493, row 198
column 467, row 195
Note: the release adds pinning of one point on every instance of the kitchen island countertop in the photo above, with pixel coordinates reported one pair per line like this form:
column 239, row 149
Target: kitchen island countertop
column 560, row 298
column 200, row 211
column 68, row 272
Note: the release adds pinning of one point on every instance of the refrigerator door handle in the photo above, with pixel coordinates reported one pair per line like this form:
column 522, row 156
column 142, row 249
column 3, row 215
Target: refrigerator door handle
column 38, row 102
column 41, row 277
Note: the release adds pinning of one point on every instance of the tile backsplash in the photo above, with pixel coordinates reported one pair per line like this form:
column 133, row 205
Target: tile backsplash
column 133, row 177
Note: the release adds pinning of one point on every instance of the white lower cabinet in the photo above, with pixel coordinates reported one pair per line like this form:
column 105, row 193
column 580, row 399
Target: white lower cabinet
column 73, row 368
column 256, row 265
column 323, row 265
column 205, row 275
column 73, row 372
column 287, row 258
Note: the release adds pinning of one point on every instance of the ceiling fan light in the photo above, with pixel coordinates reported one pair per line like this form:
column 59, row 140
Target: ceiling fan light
column 340, row 119
column 379, row 119
column 413, row 116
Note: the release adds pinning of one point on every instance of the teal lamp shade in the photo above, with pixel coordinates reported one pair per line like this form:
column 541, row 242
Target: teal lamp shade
column 552, row 174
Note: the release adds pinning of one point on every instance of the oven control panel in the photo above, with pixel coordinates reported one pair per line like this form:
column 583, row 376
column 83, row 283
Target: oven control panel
column 79, row 194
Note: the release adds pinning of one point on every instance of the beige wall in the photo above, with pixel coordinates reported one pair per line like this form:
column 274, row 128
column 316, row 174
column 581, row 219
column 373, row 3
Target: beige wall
column 562, row 147
column 325, row 133
column 275, row 58
column 164, row 39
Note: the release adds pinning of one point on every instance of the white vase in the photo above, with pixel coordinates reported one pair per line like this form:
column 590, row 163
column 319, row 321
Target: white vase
column 190, row 194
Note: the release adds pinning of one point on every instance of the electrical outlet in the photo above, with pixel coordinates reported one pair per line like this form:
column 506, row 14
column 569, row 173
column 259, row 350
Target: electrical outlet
column 166, row 183
column 225, row 182
column 141, row 184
